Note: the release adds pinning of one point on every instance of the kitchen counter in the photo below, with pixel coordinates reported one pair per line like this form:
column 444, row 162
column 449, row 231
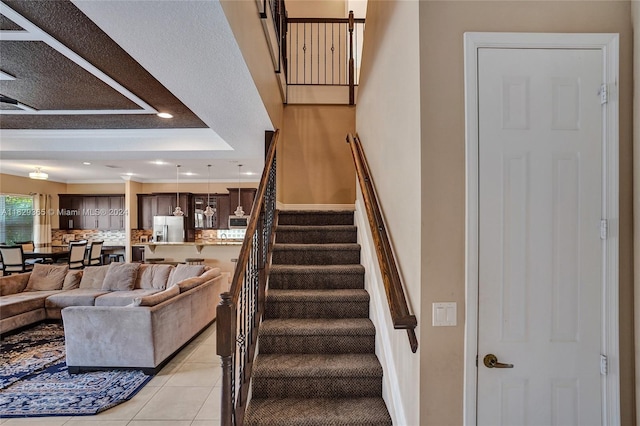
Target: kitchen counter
column 199, row 245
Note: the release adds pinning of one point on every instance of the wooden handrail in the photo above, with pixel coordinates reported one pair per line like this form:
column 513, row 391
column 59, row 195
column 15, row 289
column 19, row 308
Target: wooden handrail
column 240, row 310
column 400, row 315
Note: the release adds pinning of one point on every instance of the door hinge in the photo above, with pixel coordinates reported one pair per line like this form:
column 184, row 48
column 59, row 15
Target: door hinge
column 604, row 93
column 603, row 365
column 604, row 228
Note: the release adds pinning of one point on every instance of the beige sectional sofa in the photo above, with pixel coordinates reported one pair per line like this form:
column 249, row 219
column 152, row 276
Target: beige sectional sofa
column 118, row 315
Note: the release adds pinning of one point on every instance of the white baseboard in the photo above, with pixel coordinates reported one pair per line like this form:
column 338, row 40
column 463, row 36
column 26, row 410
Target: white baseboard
column 379, row 314
column 323, row 207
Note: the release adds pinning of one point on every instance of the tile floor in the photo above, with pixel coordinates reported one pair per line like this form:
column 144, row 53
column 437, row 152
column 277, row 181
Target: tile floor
column 186, row 392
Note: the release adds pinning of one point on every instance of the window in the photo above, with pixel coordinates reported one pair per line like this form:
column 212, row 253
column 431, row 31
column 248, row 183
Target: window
column 16, row 218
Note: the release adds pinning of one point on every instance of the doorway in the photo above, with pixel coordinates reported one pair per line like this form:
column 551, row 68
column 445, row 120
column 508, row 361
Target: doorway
column 542, row 209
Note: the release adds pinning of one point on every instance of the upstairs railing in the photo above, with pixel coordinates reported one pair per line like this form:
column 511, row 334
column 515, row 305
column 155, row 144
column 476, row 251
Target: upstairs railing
column 324, row 51
column 239, row 312
column 400, row 315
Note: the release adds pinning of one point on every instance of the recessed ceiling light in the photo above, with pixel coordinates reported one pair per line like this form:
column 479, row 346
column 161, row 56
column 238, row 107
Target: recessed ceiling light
column 189, row 174
column 86, row 163
column 159, row 162
column 129, row 174
column 164, row 115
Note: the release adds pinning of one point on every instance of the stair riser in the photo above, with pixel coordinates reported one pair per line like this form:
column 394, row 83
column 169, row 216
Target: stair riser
column 317, row 310
column 315, row 219
column 316, row 257
column 286, row 281
column 312, row 387
column 317, row 344
column 316, row 237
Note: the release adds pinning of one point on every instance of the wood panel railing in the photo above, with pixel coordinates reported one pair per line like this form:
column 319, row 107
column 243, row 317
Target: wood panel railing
column 240, row 310
column 400, row 315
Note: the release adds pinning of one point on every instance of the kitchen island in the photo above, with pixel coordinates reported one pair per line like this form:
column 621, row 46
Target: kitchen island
column 219, row 253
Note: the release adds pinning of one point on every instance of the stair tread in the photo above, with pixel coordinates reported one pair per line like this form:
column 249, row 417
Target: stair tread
column 316, row 246
column 318, row 269
column 316, row 365
column 317, row 412
column 317, row 327
column 327, row 296
column 323, row 228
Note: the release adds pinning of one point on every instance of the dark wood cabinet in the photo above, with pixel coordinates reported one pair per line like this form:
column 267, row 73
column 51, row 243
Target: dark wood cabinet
column 102, row 212
column 70, row 211
column 163, row 204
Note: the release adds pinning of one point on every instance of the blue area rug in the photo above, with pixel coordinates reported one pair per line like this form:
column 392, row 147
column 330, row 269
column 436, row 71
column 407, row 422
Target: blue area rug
column 38, row 383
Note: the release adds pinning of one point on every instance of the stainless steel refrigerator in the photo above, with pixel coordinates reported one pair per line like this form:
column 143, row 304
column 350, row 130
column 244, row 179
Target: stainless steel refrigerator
column 168, row 229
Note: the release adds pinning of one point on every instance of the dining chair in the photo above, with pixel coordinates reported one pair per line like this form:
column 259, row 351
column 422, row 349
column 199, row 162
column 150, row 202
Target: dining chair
column 30, row 246
column 95, row 253
column 77, row 254
column 13, row 260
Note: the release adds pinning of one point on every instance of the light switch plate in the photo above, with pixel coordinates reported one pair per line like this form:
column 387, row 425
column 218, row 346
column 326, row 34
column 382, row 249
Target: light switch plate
column 444, row 314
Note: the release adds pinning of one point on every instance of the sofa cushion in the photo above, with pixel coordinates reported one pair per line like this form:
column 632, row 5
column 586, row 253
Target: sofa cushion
column 12, row 284
column 157, row 298
column 47, row 277
column 72, row 280
column 75, row 297
column 153, row 276
column 120, row 276
column 182, row 272
column 188, row 284
column 16, row 304
column 123, row 297
column 93, row 276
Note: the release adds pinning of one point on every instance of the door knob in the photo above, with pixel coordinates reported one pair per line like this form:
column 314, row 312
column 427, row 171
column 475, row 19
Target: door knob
column 491, row 361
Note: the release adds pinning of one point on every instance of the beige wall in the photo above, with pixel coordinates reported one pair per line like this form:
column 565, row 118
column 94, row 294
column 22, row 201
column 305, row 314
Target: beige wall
column 314, row 161
column 388, row 123
column 247, row 28
column 439, row 141
column 442, row 24
column 635, row 5
column 316, row 8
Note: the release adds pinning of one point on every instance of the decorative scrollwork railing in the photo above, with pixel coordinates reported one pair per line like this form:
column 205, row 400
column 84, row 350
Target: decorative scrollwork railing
column 240, row 310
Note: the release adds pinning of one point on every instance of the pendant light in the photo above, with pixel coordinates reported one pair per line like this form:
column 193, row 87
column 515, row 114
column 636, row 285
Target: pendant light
column 178, row 210
column 239, row 212
column 209, row 211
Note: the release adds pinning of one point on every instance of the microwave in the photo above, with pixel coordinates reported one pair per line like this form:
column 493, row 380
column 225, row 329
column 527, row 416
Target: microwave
column 238, row 222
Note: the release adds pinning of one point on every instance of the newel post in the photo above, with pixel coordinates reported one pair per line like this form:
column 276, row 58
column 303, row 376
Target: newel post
column 352, row 97
column 225, row 345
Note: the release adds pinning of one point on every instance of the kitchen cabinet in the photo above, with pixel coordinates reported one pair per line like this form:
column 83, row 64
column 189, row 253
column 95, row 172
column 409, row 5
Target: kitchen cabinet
column 102, row 212
column 163, row 204
column 247, row 196
column 220, row 202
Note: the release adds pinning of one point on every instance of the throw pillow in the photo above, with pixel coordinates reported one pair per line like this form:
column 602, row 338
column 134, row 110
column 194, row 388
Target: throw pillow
column 120, row 276
column 153, row 276
column 182, row 272
column 157, row 298
column 72, row 280
column 47, row 277
column 93, row 276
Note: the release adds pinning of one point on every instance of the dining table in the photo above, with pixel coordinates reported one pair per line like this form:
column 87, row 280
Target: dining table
column 53, row 253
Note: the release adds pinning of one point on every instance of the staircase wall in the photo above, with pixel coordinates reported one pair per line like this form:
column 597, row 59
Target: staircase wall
column 315, row 167
column 392, row 346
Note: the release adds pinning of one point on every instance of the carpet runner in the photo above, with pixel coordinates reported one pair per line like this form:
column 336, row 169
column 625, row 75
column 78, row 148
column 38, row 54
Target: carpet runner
column 316, row 364
column 35, row 381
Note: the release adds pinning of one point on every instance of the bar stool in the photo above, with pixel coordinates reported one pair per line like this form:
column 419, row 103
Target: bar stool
column 194, row 261
column 154, row 259
column 116, row 257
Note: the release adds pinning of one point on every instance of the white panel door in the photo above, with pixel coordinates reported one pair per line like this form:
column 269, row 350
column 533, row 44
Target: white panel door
column 540, row 252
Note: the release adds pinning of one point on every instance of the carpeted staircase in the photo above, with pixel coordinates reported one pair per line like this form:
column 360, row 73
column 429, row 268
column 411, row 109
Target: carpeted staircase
column 316, row 363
